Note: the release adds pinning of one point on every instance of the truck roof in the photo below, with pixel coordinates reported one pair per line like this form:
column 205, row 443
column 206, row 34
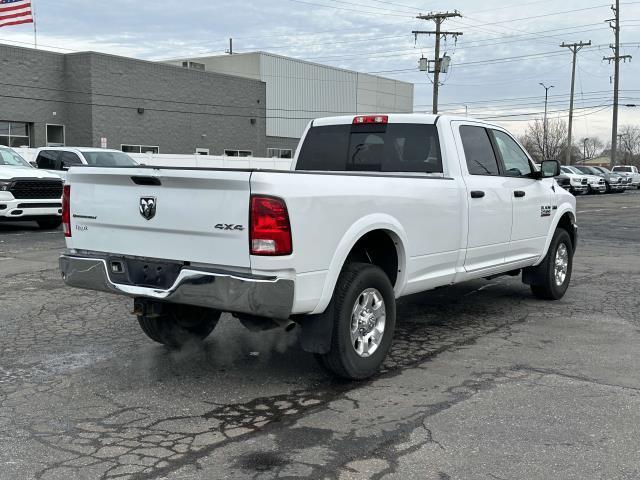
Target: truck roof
column 426, row 118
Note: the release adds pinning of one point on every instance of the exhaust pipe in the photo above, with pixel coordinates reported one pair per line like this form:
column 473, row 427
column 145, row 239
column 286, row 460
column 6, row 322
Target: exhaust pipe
column 287, row 325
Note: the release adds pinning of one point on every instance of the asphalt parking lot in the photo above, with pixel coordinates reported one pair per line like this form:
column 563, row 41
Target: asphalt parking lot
column 484, row 381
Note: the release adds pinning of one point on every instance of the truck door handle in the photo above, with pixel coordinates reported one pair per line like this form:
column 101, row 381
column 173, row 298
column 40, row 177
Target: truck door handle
column 519, row 194
column 477, row 194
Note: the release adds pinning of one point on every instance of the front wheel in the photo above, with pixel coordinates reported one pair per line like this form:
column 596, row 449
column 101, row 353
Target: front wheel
column 363, row 312
column 550, row 279
column 179, row 324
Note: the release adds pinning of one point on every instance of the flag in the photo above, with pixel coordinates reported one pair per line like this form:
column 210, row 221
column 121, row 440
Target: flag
column 15, row 12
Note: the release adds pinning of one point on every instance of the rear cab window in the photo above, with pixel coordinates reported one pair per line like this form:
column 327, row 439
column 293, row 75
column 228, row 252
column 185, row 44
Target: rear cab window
column 392, row 147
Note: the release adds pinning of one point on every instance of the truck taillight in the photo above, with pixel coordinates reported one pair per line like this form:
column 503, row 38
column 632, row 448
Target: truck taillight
column 270, row 232
column 66, row 210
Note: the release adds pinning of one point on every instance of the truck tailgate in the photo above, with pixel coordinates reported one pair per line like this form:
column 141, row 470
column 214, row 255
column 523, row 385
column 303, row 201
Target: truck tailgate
column 200, row 215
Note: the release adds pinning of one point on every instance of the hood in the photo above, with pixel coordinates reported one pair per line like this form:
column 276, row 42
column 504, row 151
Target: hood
column 574, row 176
column 8, row 172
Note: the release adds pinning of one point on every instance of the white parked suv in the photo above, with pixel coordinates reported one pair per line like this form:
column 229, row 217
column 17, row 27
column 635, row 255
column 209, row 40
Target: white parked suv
column 28, row 194
column 59, row 159
column 374, row 208
column 628, row 171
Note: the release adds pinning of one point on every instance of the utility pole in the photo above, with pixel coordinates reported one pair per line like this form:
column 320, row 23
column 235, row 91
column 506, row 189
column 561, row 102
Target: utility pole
column 584, row 150
column 575, row 48
column 544, row 122
column 230, row 51
column 438, row 18
column 614, row 23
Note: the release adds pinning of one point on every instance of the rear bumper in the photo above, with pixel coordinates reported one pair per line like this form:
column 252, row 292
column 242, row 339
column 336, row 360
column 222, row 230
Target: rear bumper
column 225, row 291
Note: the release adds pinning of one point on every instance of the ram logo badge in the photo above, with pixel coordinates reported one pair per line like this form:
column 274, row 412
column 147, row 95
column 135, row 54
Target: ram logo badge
column 148, row 207
column 229, row 226
column 545, row 211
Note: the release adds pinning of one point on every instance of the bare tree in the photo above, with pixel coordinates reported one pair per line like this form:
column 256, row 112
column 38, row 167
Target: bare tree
column 556, row 139
column 629, row 144
column 589, row 147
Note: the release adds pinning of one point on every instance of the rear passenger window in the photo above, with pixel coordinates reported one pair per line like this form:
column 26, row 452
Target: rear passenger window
column 481, row 159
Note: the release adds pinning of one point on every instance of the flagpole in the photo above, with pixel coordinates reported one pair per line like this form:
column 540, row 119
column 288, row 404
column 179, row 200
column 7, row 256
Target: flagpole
column 35, row 28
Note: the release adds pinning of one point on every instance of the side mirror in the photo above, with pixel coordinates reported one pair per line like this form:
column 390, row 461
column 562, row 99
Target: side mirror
column 34, row 164
column 550, row 168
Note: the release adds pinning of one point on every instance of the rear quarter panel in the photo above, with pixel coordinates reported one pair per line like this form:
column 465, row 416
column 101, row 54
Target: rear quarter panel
column 329, row 213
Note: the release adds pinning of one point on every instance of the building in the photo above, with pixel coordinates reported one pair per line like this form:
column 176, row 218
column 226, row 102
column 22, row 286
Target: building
column 93, row 99
column 298, row 91
column 254, row 104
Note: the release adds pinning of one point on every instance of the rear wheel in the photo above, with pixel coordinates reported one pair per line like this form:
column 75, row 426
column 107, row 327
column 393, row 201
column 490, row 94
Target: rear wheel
column 550, row 279
column 179, row 324
column 50, row 223
column 363, row 312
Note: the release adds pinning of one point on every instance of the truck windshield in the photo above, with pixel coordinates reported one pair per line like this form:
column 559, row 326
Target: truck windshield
column 394, row 147
column 11, row 158
column 109, row 159
column 622, row 169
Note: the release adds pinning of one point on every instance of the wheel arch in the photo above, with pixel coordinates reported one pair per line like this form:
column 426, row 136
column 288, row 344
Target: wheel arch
column 360, row 231
column 566, row 219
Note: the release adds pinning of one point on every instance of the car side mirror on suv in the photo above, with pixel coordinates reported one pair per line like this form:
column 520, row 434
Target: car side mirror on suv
column 550, row 168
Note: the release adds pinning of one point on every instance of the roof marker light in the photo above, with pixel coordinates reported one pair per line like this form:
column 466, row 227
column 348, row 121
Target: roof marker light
column 368, row 119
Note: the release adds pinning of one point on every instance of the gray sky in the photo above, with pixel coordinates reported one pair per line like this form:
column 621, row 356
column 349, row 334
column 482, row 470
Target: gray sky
column 507, row 47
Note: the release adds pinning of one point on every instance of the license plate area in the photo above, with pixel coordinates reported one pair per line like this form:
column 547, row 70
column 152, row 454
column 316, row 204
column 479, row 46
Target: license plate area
column 143, row 273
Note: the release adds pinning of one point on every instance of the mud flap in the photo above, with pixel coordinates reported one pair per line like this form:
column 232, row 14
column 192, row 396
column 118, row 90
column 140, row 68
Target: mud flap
column 317, row 331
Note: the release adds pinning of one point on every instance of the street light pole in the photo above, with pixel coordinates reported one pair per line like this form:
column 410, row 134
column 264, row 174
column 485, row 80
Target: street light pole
column 544, row 124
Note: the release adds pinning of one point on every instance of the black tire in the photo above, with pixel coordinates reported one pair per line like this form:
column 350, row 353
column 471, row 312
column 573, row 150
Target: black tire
column 544, row 285
column 49, row 223
column 342, row 358
column 180, row 324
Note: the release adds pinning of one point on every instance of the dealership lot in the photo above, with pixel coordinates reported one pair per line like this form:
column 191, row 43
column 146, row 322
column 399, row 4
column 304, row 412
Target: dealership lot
column 484, row 381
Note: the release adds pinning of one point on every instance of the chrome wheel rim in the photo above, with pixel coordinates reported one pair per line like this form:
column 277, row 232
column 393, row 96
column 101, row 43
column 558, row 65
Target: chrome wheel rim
column 368, row 318
column 561, row 264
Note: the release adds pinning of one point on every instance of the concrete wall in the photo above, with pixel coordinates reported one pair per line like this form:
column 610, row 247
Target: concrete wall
column 31, row 89
column 96, row 95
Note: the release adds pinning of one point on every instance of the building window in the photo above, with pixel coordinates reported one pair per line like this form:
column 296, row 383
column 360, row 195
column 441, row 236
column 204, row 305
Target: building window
column 279, row 153
column 202, row 151
column 139, row 149
column 238, row 153
column 194, row 66
column 55, row 136
column 14, row 134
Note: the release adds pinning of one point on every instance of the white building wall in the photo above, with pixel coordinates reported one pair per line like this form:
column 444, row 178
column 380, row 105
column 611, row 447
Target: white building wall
column 298, row 91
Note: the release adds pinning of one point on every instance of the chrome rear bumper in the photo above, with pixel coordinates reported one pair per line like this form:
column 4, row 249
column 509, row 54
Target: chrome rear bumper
column 229, row 292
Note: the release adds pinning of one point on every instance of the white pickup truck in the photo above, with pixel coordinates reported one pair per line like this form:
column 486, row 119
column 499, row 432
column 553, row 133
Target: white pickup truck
column 27, row 194
column 374, row 208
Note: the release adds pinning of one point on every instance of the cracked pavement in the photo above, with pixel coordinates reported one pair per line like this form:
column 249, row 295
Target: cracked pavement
column 483, row 381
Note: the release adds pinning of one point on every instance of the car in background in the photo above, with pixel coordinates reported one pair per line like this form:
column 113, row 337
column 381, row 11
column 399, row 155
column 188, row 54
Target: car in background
column 59, row 159
column 28, row 194
column 628, row 171
column 595, row 183
column 578, row 183
column 613, row 181
column 626, row 182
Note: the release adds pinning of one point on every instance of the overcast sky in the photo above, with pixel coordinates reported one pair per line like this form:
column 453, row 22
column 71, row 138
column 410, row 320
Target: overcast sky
column 508, row 47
